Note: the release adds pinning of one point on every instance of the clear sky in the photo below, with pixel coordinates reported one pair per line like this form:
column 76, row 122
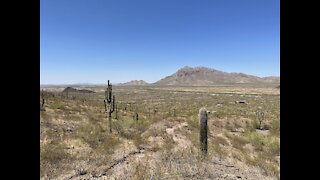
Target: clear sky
column 91, row 41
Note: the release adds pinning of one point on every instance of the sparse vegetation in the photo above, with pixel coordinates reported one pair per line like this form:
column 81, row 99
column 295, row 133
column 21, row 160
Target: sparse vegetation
column 164, row 142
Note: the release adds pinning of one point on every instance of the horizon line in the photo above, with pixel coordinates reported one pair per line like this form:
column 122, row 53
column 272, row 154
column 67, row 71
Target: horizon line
column 186, row 66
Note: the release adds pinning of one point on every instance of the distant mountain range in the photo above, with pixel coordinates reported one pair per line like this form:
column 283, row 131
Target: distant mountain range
column 134, row 82
column 194, row 76
column 208, row 76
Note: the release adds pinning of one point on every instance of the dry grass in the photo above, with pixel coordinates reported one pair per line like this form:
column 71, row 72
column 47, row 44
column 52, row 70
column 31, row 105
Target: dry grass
column 90, row 142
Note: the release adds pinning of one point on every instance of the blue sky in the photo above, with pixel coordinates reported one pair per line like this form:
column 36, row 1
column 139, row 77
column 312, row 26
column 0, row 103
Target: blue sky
column 91, row 41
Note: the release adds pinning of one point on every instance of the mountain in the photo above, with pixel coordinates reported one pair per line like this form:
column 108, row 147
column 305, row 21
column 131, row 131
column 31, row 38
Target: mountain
column 272, row 79
column 134, row 82
column 70, row 89
column 208, row 76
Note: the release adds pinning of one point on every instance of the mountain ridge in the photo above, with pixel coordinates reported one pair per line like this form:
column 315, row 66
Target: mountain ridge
column 134, row 82
column 201, row 75
column 187, row 75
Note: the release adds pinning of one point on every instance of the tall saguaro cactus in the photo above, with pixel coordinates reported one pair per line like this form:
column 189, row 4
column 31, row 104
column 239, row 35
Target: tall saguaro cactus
column 109, row 103
column 203, row 120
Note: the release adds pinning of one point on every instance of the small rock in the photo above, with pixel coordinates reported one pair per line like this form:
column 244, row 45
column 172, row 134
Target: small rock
column 239, row 130
column 240, row 102
column 82, row 171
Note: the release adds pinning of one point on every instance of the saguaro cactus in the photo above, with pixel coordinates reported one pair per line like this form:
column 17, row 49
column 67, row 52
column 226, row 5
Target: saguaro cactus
column 42, row 97
column 109, row 103
column 203, row 120
column 42, row 100
column 260, row 117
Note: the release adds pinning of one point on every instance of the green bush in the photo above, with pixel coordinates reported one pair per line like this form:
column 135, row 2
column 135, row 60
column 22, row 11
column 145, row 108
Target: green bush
column 258, row 140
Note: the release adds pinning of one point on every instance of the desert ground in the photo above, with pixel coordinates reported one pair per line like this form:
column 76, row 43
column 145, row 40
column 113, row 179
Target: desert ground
column 75, row 142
